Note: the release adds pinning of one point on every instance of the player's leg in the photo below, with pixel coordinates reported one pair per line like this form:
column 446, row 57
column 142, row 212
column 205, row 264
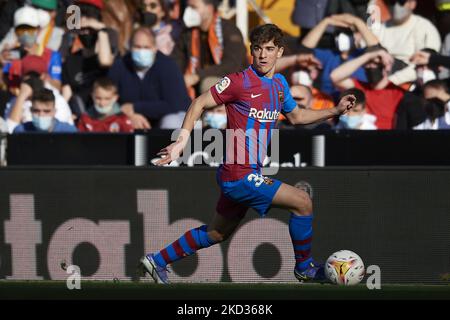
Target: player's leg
column 222, row 226
column 299, row 204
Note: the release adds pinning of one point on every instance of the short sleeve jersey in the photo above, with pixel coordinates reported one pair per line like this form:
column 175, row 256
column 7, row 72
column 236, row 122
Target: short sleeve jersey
column 253, row 104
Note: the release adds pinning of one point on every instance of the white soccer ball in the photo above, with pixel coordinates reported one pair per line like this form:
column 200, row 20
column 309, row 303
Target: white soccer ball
column 345, row 267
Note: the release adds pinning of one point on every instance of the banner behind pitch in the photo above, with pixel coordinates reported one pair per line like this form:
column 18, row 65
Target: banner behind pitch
column 103, row 220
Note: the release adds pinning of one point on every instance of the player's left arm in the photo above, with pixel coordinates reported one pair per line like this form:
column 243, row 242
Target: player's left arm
column 307, row 116
column 174, row 150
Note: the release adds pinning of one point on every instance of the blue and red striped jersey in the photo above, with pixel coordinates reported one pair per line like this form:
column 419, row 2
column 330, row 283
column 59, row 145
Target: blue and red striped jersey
column 253, row 104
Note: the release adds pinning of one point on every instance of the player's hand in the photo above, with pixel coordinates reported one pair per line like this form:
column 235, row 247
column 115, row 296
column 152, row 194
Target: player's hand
column 421, row 58
column 170, row 153
column 347, row 102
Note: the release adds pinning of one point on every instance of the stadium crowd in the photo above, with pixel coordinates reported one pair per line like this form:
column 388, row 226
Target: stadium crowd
column 126, row 65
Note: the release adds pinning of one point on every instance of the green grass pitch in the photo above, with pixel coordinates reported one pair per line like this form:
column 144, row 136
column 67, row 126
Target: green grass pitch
column 233, row 291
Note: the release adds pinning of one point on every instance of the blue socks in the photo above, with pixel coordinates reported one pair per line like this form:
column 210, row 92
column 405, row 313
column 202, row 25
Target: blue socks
column 300, row 230
column 186, row 245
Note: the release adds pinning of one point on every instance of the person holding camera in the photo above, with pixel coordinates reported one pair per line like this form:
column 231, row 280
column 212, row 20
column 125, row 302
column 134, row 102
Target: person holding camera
column 27, row 53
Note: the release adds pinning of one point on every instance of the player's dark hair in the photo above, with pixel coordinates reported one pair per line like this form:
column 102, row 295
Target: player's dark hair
column 265, row 33
column 105, row 83
column 44, row 95
column 359, row 95
column 436, row 84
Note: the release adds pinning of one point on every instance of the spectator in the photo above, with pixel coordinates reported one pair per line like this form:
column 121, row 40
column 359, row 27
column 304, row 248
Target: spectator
column 437, row 107
column 382, row 96
column 411, row 110
column 18, row 110
column 357, row 118
column 215, row 118
column 28, row 56
column 43, row 112
column 155, row 14
column 105, row 114
column 435, row 116
column 150, row 84
column 120, row 15
column 307, row 77
column 404, row 34
column 49, row 36
column 347, row 46
column 302, row 95
column 307, row 14
column 209, row 48
column 87, row 53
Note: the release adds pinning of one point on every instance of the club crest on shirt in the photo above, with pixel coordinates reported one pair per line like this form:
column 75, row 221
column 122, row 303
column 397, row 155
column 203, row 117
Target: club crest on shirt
column 222, row 84
column 281, row 96
column 268, row 181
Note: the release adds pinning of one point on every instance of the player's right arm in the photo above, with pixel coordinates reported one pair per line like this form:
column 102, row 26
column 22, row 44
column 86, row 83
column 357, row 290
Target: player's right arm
column 174, row 150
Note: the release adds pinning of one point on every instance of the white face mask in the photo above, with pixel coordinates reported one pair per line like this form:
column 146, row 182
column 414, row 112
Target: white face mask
column 425, row 75
column 343, row 42
column 104, row 110
column 216, row 120
column 302, row 77
column 400, row 12
column 44, row 18
column 191, row 17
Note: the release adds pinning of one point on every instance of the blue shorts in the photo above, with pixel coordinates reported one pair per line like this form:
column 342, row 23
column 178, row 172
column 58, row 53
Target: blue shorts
column 253, row 191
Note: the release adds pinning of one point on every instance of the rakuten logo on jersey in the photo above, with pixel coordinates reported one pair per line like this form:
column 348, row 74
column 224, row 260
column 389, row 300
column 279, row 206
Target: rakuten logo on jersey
column 264, row 115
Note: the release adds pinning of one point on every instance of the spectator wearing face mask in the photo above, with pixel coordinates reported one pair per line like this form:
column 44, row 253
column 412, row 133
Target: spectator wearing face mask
column 348, row 45
column 357, row 118
column 437, row 107
column 49, row 35
column 382, row 96
column 155, row 14
column 435, row 111
column 404, row 34
column 87, row 55
column 209, row 47
column 27, row 54
column 18, row 109
column 43, row 116
column 151, row 88
column 215, row 118
column 306, row 77
column 105, row 114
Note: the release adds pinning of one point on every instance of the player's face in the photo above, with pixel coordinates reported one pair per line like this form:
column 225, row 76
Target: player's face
column 265, row 56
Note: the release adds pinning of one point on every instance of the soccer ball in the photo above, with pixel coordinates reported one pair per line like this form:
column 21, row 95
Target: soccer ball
column 345, row 267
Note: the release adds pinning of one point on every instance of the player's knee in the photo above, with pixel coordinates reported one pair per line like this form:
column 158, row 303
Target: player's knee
column 303, row 205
